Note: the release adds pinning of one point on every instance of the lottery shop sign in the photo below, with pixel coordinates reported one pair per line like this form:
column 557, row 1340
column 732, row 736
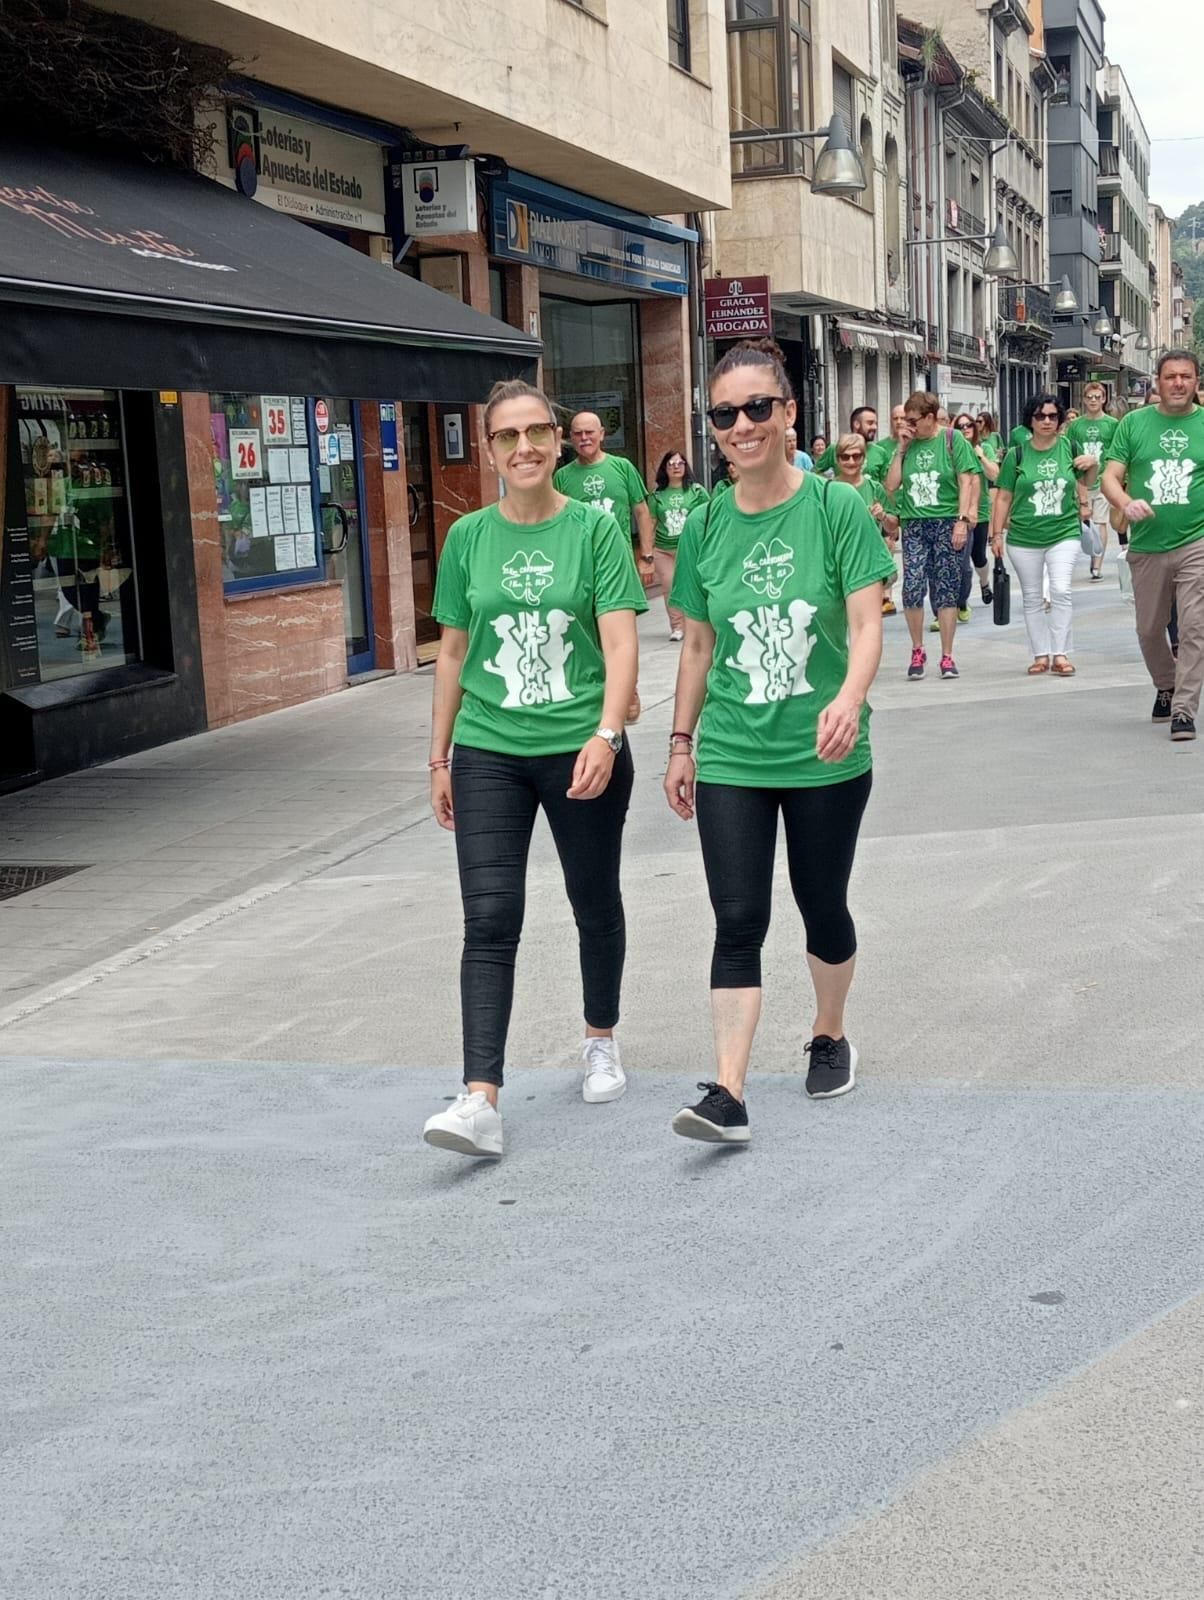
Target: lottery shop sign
column 737, row 308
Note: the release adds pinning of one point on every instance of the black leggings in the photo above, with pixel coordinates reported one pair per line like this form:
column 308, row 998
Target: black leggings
column 495, row 798
column 973, row 555
column 739, row 831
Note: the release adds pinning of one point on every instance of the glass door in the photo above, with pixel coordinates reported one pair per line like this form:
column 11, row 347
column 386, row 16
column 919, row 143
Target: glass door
column 343, row 527
column 421, row 511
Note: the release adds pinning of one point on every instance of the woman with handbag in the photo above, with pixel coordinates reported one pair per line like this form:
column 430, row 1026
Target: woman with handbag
column 780, row 583
column 1040, row 504
column 537, row 596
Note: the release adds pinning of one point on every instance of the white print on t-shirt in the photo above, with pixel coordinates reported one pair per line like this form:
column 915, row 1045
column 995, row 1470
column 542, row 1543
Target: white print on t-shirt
column 925, row 488
column 525, row 577
column 593, row 486
column 768, row 570
column 1093, row 448
column 531, row 657
column 1170, row 482
column 773, row 651
column 1048, row 490
column 675, row 520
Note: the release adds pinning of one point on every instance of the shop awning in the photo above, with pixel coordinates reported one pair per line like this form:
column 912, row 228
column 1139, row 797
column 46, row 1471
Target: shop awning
column 127, row 276
column 864, row 335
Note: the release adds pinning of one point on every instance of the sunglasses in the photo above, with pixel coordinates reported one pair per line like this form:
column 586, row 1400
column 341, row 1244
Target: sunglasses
column 758, row 409
column 966, row 427
column 505, row 440
column 851, row 455
column 1045, row 416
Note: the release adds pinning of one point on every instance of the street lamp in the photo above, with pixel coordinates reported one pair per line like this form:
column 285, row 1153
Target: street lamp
column 1142, row 342
column 1000, row 260
column 1102, row 326
column 1065, row 302
column 838, row 168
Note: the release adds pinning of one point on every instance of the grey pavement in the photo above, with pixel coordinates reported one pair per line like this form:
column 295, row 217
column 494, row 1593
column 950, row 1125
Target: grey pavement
column 942, row 1338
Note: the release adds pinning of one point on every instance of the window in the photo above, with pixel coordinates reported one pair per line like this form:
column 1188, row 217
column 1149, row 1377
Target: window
column 268, row 479
column 1060, row 203
column 894, row 222
column 842, row 95
column 73, row 460
column 770, row 83
column 679, row 33
column 867, row 161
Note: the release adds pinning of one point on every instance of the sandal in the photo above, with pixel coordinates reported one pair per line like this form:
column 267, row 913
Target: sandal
column 1039, row 666
column 1063, row 668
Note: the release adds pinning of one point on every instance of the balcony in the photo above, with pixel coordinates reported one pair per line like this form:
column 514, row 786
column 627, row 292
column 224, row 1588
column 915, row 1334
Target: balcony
column 1109, row 249
column 963, row 222
column 966, row 345
column 1030, row 308
column 1109, row 161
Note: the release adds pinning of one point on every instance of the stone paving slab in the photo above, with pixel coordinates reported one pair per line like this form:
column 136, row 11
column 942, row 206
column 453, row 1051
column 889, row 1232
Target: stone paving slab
column 261, row 1341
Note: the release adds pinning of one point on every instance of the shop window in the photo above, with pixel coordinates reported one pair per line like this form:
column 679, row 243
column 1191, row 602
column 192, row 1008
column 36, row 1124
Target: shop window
column 76, row 474
column 271, row 460
column 592, row 363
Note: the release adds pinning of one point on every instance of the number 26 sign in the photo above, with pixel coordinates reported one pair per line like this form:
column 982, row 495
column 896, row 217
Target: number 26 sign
column 246, row 453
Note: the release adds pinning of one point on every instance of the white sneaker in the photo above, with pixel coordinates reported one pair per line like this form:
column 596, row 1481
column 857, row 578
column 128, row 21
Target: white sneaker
column 471, row 1127
column 676, row 636
column 604, row 1075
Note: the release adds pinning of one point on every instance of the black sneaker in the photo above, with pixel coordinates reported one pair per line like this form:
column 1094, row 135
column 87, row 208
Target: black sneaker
column 718, row 1118
column 1182, row 727
column 833, row 1068
column 1162, row 706
column 988, row 594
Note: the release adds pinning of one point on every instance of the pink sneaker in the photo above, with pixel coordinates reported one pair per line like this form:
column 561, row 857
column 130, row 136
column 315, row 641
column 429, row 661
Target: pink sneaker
column 918, row 658
column 948, row 667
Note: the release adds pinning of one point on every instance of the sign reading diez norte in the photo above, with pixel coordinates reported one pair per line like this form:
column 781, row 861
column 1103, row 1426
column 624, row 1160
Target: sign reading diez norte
column 737, row 308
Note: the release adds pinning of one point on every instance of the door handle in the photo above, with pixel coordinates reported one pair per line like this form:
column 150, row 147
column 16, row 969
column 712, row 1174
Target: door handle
column 341, row 515
column 413, row 503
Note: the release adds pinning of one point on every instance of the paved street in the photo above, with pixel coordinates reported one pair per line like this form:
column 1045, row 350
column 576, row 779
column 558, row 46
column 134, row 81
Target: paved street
column 943, row 1338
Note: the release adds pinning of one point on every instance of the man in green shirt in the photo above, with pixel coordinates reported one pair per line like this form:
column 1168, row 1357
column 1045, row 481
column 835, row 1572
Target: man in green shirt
column 608, row 483
column 1154, row 477
column 1090, row 435
column 878, row 452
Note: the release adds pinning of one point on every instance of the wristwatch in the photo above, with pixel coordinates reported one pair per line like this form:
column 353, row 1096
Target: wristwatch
column 613, row 739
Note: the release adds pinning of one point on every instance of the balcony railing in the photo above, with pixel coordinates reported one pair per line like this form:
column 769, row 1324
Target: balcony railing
column 1023, row 304
column 962, row 221
column 966, row 345
column 1109, row 247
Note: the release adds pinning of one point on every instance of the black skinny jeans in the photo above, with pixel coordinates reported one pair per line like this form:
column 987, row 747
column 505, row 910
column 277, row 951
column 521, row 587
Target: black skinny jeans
column 495, row 798
column 739, row 831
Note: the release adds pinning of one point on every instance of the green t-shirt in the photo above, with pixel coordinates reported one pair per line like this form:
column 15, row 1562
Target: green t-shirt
column 529, row 596
column 722, row 485
column 870, row 490
column 773, row 586
column 1164, row 458
column 930, row 472
column 611, row 484
column 877, row 458
column 670, row 507
column 984, row 502
column 1019, row 435
column 1091, row 436
column 1045, row 501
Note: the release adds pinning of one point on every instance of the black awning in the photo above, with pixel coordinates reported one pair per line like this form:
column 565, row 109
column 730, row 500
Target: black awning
column 133, row 277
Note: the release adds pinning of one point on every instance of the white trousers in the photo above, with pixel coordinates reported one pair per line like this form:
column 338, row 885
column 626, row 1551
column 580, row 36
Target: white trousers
column 1048, row 631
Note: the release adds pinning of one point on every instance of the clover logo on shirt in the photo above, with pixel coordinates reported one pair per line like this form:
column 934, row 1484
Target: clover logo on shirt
column 1174, row 441
column 1047, row 469
column 767, row 570
column 593, row 486
column 526, row 577
column 922, row 459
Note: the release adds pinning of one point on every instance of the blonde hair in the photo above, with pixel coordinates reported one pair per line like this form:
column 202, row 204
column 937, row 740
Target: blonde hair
column 849, row 441
column 515, row 389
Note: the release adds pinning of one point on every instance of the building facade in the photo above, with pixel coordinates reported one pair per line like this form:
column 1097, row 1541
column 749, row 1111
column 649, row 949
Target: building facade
column 1074, row 43
column 836, row 266
column 1124, row 198
column 262, row 536
column 952, row 129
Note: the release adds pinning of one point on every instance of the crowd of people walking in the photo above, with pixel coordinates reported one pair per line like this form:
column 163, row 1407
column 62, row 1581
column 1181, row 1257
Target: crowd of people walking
column 775, row 584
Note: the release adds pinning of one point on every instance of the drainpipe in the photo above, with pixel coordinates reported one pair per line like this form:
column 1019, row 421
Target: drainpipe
column 701, row 255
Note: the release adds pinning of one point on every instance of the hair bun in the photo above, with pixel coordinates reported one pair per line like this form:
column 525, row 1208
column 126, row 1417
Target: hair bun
column 764, row 346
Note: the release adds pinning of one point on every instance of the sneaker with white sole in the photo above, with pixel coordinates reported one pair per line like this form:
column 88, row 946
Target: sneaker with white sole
column 470, row 1127
column 718, row 1118
column 676, row 635
column 832, row 1069
column 604, row 1075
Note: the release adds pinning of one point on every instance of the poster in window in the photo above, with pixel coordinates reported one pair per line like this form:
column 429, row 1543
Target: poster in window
column 277, row 419
column 246, row 453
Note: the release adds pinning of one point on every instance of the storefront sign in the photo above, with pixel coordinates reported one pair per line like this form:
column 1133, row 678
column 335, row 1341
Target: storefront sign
column 546, row 226
column 737, row 308
column 246, row 453
column 437, row 197
column 389, row 458
column 18, row 620
column 310, row 171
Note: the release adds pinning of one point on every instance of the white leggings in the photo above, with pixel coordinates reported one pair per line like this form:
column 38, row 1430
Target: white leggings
column 1048, row 632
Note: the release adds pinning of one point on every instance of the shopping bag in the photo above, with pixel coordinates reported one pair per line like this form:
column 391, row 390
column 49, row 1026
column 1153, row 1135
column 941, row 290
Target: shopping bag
column 1001, row 584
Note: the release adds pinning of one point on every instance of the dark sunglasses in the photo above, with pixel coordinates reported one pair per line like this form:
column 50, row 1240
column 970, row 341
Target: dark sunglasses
column 851, row 455
column 1045, row 416
column 758, row 409
column 966, row 427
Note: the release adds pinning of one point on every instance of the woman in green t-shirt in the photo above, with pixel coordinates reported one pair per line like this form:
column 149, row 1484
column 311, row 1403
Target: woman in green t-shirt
column 780, row 582
column 537, row 596
column 849, row 457
column 676, row 494
column 1040, row 506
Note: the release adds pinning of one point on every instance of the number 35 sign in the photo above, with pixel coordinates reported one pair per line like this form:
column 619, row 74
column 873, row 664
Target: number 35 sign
column 246, row 455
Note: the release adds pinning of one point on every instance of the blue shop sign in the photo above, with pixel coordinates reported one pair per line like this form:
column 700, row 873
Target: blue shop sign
column 544, row 225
